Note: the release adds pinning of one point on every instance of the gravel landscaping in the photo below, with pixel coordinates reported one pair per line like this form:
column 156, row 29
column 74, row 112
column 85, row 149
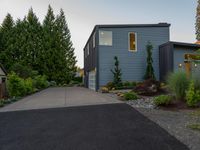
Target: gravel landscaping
column 174, row 122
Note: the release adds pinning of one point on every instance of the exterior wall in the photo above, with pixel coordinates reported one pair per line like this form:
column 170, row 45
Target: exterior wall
column 133, row 64
column 179, row 57
column 166, row 60
column 90, row 61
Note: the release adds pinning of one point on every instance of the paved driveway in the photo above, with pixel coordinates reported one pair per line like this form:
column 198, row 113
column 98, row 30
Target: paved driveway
column 99, row 127
column 60, row 97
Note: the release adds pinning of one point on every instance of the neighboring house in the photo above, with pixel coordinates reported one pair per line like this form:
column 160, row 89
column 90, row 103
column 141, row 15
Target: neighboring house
column 3, row 76
column 128, row 43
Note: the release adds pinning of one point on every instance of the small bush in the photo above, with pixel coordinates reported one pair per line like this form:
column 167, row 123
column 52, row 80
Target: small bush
column 104, row 90
column 1, row 102
column 40, row 82
column 16, row 86
column 28, row 83
column 178, row 83
column 52, row 83
column 110, row 85
column 127, row 83
column 130, row 96
column 162, row 100
column 192, row 95
column 78, row 79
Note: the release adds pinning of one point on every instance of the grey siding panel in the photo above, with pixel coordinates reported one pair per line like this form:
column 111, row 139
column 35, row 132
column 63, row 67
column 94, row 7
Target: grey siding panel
column 179, row 57
column 133, row 64
column 166, row 60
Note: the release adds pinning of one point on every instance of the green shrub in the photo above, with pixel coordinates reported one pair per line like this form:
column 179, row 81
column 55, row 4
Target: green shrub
column 40, row 82
column 28, row 83
column 23, row 71
column 16, row 86
column 130, row 96
column 162, row 100
column 110, row 85
column 178, row 83
column 52, row 83
column 192, row 95
column 1, row 102
column 78, row 79
column 127, row 83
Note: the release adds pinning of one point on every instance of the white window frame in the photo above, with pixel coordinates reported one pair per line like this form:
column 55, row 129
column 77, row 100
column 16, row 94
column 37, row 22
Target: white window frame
column 111, row 38
column 94, row 39
column 129, row 49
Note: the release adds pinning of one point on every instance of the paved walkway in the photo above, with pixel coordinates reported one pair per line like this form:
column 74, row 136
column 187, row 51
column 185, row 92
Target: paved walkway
column 60, row 97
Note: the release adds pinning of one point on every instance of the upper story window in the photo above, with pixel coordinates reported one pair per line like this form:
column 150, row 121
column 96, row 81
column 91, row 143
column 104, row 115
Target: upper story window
column 94, row 39
column 88, row 49
column 105, row 38
column 132, row 41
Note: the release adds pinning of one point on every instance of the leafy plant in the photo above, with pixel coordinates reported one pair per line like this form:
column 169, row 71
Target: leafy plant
column 104, row 90
column 1, row 102
column 194, row 126
column 192, row 95
column 117, row 73
column 16, row 86
column 130, row 96
column 162, row 100
column 40, row 82
column 28, row 83
column 178, row 83
column 149, row 70
column 110, row 85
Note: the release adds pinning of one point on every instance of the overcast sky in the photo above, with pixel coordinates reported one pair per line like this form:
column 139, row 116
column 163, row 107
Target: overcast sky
column 83, row 15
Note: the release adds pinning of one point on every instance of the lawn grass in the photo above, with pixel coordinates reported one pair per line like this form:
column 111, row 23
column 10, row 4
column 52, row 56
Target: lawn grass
column 194, row 126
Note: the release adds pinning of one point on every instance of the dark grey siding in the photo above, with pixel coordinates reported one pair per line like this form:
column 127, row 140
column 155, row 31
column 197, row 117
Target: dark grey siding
column 133, row 64
column 90, row 61
column 166, row 60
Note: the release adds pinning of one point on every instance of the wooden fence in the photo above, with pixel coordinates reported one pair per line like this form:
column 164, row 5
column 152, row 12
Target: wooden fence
column 3, row 91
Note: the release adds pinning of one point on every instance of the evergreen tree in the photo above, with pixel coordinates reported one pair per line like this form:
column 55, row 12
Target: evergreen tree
column 198, row 21
column 7, row 40
column 49, row 50
column 149, row 70
column 66, row 50
column 117, row 73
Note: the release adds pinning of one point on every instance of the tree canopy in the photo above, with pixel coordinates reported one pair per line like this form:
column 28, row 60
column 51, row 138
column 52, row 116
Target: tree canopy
column 45, row 47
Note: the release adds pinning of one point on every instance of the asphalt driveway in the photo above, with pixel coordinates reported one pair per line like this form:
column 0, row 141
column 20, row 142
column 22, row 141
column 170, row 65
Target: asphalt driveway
column 99, row 127
column 60, row 97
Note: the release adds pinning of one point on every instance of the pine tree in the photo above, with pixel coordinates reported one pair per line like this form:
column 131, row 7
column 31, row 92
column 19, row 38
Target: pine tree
column 67, row 57
column 198, row 21
column 48, row 54
column 149, row 70
column 7, row 40
column 117, row 73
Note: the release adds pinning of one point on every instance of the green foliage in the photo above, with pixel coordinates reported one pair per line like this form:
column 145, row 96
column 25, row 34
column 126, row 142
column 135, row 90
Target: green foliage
column 110, row 85
column 46, row 48
column 162, row 100
column 149, row 70
column 40, row 82
column 28, row 83
column 178, row 84
column 1, row 102
column 194, row 126
column 16, row 86
column 23, row 71
column 198, row 21
column 130, row 96
column 78, row 79
column 117, row 73
column 192, row 95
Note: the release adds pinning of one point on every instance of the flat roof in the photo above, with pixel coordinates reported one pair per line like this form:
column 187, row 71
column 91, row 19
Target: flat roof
column 182, row 44
column 133, row 25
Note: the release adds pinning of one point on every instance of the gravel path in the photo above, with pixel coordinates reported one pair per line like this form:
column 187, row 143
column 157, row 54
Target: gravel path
column 175, row 122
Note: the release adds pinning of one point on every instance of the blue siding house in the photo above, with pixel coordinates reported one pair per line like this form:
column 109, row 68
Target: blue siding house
column 128, row 43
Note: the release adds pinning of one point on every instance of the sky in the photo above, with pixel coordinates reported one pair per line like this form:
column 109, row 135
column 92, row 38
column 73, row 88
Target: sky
column 83, row 15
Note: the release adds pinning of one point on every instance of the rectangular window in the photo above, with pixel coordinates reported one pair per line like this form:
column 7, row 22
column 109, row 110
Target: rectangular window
column 132, row 41
column 88, row 49
column 94, row 39
column 105, row 38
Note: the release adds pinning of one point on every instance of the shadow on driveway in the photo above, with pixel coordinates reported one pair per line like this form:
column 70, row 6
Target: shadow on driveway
column 100, row 127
